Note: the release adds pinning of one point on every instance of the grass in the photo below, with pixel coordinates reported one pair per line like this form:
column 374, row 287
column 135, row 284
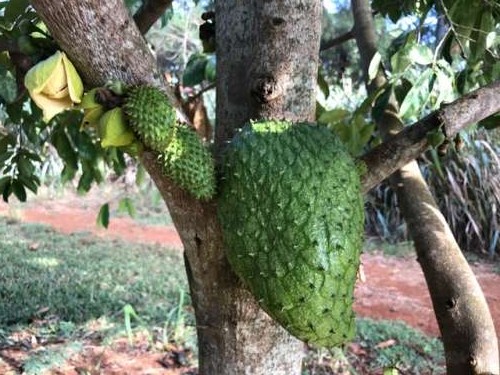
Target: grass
column 62, row 290
column 79, row 277
column 58, row 288
column 378, row 346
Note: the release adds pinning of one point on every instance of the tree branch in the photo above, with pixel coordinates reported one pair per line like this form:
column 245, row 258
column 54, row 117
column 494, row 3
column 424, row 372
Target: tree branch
column 336, row 41
column 408, row 144
column 149, row 13
column 201, row 92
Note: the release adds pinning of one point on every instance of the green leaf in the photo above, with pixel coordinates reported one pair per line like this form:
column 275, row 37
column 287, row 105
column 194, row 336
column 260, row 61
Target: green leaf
column 491, row 122
column 478, row 44
column 4, row 181
column 334, row 115
column 381, row 103
column 8, row 85
column 444, row 87
column 4, row 157
column 319, row 110
column 210, row 69
column 7, row 190
column 67, row 174
column 323, row 85
column 86, row 148
column 435, row 137
column 195, row 70
column 103, row 216
column 61, row 142
column 464, row 14
column 85, row 182
column 374, row 66
column 24, row 166
column 14, row 9
column 31, row 182
column 366, row 107
column 421, row 54
column 417, row 96
column 5, row 142
column 19, row 190
column 400, row 61
column 127, row 205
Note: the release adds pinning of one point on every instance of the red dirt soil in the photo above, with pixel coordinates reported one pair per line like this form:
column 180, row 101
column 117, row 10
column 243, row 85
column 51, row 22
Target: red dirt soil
column 394, row 289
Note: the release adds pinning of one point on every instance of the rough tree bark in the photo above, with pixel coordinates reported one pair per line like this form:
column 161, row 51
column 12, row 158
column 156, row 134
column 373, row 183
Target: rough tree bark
column 466, row 326
column 235, row 336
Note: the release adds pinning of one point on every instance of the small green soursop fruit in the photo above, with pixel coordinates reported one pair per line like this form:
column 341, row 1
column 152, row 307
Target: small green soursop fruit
column 189, row 163
column 291, row 212
column 150, row 115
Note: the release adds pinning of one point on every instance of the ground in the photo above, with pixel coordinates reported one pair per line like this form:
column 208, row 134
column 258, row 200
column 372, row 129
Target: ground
column 392, row 288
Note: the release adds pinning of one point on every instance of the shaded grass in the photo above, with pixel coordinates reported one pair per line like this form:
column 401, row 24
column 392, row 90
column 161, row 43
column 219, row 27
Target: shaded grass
column 79, row 277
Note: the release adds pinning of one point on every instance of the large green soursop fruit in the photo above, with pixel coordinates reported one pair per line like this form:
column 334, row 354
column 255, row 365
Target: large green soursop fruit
column 150, row 115
column 292, row 218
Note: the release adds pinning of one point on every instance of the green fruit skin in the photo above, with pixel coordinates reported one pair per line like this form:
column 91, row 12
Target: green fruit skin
column 150, row 115
column 189, row 163
column 292, row 217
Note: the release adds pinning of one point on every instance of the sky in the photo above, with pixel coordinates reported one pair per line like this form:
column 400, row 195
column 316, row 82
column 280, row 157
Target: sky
column 332, row 5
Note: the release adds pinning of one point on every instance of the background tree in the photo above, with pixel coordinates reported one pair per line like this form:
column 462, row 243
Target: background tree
column 261, row 78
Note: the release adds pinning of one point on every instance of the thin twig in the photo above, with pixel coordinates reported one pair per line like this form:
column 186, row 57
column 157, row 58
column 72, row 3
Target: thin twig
column 201, row 92
column 336, row 41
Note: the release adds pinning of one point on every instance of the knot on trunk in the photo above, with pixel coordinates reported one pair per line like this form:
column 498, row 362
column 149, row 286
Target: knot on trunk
column 265, row 89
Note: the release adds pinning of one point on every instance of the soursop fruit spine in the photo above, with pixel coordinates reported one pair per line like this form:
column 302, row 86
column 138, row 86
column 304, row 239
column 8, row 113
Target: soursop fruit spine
column 291, row 212
column 150, row 115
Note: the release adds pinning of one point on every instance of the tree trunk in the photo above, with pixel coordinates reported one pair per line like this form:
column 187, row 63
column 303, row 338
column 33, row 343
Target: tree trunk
column 269, row 71
column 466, row 326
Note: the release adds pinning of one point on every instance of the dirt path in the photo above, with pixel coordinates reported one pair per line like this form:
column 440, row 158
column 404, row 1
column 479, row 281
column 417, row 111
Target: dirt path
column 394, row 288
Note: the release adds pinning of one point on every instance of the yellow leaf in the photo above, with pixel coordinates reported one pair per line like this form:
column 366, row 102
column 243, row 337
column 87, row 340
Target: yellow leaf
column 113, row 129
column 75, row 85
column 56, row 81
column 37, row 77
column 51, row 106
column 89, row 100
column 92, row 116
column 54, row 85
